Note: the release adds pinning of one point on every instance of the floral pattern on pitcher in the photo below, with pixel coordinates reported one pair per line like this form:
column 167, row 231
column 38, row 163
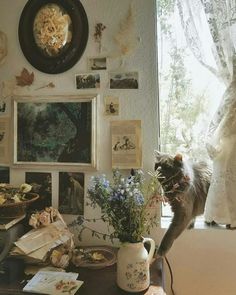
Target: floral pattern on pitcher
column 136, row 274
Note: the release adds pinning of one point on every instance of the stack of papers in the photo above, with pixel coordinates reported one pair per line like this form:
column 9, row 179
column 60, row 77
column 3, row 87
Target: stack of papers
column 53, row 283
column 35, row 245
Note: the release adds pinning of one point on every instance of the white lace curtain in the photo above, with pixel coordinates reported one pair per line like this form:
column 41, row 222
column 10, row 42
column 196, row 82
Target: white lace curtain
column 215, row 20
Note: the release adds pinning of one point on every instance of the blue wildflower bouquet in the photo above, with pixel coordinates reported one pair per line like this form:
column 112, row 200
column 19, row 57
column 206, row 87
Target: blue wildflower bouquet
column 124, row 204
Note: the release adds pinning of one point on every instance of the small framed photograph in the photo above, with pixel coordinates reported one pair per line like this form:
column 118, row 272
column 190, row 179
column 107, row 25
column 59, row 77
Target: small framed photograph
column 58, row 131
column 127, row 80
column 126, row 144
column 41, row 184
column 97, row 63
column 87, row 81
column 71, row 193
column 111, row 105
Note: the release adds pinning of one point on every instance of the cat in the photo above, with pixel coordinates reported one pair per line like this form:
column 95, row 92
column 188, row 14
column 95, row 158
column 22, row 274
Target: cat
column 185, row 186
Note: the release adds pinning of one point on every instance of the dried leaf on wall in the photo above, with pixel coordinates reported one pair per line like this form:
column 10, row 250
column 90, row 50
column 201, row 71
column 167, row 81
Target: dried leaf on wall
column 126, row 39
column 25, row 78
column 49, row 85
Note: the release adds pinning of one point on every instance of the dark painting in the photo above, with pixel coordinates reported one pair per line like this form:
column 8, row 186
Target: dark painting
column 54, row 132
column 4, row 175
column 41, row 184
column 71, row 193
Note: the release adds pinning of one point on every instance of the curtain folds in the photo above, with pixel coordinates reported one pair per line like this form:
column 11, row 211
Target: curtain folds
column 215, row 20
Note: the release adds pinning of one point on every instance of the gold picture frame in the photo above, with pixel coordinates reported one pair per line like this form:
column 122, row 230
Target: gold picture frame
column 57, row 130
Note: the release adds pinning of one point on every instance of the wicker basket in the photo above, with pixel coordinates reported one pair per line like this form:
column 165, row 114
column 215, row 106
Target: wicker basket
column 17, row 209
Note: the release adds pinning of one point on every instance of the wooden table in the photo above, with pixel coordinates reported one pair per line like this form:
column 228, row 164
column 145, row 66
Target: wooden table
column 97, row 282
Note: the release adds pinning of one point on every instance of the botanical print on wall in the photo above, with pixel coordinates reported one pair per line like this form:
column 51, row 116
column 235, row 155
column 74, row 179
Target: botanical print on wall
column 54, row 132
column 4, row 174
column 41, row 184
column 71, row 193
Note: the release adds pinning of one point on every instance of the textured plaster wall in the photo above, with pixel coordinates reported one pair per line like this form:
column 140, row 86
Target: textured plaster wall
column 203, row 261
column 134, row 104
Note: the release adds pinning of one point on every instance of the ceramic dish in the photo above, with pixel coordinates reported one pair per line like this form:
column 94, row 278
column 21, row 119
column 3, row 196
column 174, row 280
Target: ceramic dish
column 94, row 257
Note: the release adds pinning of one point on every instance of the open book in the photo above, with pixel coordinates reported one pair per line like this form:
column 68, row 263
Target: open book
column 53, row 283
column 6, row 222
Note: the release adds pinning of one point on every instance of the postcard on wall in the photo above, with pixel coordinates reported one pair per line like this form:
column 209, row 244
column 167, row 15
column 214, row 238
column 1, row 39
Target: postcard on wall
column 111, row 105
column 127, row 80
column 87, row 81
column 4, row 140
column 97, row 63
column 126, row 144
column 41, row 184
column 71, row 193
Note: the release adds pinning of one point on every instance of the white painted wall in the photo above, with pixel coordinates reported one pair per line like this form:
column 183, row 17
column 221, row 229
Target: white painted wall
column 134, row 104
column 203, row 261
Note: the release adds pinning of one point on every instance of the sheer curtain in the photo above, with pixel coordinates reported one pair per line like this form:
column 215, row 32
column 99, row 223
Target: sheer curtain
column 219, row 58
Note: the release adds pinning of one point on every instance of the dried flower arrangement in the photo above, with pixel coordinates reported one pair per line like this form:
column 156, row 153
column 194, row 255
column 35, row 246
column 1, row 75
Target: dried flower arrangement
column 11, row 195
column 52, row 29
column 124, row 205
column 125, row 38
column 99, row 28
column 44, row 217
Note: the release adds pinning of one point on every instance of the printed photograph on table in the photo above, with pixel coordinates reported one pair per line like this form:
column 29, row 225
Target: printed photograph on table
column 71, row 193
column 128, row 80
column 87, row 81
column 42, row 185
column 97, row 63
column 111, row 105
column 126, row 144
column 4, row 174
column 55, row 131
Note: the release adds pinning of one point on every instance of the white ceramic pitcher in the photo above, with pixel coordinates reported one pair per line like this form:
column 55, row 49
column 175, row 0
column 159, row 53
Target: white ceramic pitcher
column 133, row 263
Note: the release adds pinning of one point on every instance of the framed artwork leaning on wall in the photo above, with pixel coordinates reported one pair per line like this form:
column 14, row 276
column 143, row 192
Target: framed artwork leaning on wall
column 58, row 131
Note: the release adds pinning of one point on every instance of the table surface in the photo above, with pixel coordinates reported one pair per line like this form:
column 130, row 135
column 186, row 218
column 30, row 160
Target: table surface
column 98, row 281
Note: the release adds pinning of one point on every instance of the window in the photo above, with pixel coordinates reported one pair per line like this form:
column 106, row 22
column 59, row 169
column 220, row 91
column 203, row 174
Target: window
column 189, row 92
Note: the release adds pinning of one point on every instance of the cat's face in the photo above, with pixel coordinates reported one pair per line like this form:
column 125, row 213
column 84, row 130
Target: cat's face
column 167, row 165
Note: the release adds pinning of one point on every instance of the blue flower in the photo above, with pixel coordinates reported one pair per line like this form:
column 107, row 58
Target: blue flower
column 138, row 199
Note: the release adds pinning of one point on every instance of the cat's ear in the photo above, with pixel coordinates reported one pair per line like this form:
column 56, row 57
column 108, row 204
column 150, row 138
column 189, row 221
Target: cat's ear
column 157, row 154
column 178, row 160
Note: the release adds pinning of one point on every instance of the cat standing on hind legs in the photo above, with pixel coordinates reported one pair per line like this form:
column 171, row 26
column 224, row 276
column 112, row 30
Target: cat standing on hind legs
column 185, row 185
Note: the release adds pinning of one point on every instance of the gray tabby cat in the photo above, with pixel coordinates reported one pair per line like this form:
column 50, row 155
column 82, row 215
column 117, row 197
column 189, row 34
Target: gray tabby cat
column 185, row 186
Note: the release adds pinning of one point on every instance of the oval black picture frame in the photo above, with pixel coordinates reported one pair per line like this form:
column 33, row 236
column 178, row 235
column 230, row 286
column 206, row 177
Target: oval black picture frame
column 68, row 57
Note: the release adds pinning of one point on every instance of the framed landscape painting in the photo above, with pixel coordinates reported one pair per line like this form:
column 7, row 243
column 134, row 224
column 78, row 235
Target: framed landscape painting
column 55, row 131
